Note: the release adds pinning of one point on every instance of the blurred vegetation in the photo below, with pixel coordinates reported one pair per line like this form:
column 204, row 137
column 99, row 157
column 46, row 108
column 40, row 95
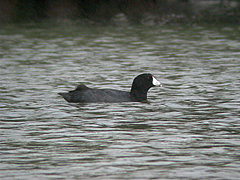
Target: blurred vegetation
column 149, row 12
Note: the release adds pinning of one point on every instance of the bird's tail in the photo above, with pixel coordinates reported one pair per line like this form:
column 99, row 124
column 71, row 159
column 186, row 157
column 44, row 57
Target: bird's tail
column 66, row 96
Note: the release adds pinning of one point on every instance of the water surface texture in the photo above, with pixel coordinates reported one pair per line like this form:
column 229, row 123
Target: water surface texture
column 190, row 129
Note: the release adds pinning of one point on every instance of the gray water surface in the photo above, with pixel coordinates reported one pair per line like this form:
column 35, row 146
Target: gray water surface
column 190, row 129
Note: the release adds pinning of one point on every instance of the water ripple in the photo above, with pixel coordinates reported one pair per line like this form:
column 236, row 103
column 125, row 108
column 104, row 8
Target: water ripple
column 188, row 130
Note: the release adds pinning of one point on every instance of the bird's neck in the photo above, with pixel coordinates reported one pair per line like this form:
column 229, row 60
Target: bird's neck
column 139, row 95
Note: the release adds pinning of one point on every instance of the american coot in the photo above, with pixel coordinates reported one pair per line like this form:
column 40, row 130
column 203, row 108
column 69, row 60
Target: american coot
column 140, row 86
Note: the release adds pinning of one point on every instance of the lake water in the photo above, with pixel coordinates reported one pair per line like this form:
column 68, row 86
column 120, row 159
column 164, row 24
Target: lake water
column 190, row 129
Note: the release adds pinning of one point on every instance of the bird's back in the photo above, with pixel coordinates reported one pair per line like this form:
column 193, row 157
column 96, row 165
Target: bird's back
column 96, row 95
